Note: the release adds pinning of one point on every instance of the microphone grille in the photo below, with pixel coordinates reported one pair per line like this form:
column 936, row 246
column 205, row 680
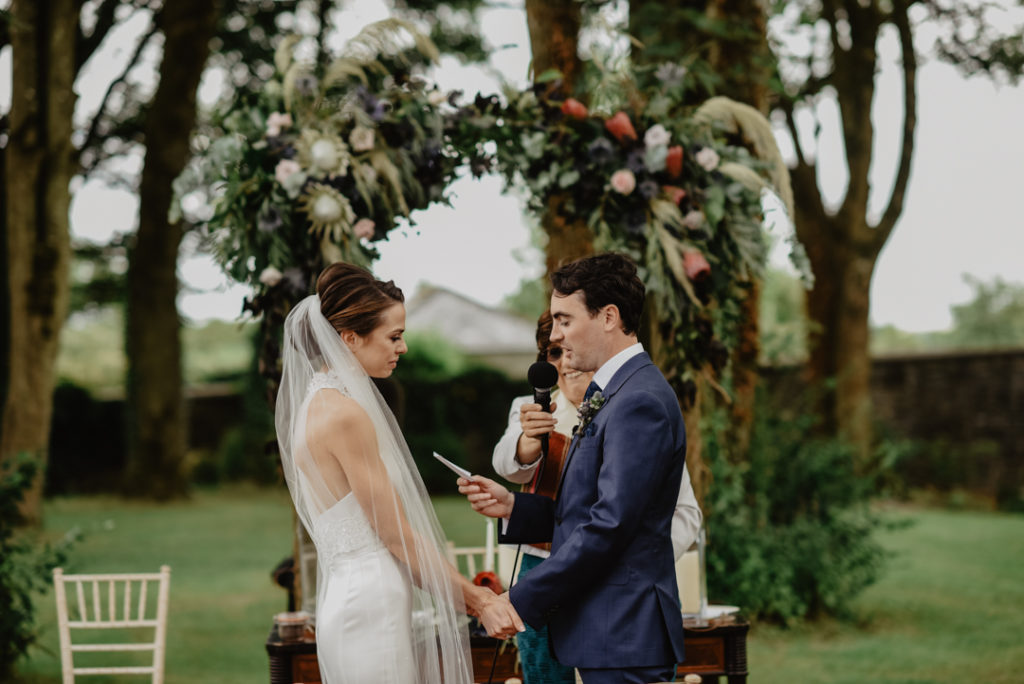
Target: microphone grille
column 542, row 375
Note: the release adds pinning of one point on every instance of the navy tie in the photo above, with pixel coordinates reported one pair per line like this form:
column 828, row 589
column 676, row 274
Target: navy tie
column 591, row 388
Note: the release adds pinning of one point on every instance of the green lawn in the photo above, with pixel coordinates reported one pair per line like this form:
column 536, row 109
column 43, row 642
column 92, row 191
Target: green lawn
column 948, row 610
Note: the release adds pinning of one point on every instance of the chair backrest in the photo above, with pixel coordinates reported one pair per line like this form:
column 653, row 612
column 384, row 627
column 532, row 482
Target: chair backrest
column 119, row 601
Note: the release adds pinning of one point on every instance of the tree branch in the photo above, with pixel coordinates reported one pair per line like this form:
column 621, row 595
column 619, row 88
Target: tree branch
column 91, row 136
column 895, row 208
column 85, row 46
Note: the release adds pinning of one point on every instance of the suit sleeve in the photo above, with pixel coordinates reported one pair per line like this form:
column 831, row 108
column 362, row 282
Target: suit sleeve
column 531, row 522
column 626, row 480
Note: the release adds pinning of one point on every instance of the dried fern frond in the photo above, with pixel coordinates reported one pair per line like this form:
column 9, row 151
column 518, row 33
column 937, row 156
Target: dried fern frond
column 283, row 53
column 342, row 69
column 387, row 171
column 736, row 117
column 384, row 37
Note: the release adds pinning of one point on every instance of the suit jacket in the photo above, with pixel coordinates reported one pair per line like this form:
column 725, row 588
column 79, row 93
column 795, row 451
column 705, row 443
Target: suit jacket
column 608, row 592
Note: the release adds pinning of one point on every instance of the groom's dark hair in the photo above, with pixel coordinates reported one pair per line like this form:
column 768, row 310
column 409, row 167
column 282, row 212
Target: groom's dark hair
column 604, row 279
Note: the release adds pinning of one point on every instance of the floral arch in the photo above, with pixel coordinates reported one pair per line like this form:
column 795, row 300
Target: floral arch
column 323, row 162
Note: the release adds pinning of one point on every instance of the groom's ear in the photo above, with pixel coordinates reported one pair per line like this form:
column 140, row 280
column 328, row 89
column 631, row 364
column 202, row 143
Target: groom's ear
column 611, row 319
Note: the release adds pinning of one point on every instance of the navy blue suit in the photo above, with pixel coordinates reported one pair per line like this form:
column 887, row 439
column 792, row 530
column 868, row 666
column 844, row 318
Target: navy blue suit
column 608, row 592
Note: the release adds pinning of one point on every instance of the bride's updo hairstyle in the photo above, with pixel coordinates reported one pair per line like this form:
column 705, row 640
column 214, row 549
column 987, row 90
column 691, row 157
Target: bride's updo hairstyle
column 352, row 299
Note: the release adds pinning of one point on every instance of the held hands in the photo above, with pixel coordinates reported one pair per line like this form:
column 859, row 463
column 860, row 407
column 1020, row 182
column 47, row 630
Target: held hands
column 500, row 618
column 487, row 496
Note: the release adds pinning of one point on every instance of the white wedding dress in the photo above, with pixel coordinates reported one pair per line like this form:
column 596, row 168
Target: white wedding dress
column 363, row 616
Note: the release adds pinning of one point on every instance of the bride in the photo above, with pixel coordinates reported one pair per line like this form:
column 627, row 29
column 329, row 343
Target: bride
column 388, row 602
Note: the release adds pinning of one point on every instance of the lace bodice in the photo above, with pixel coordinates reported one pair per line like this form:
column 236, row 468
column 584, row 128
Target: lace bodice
column 326, row 380
column 342, row 531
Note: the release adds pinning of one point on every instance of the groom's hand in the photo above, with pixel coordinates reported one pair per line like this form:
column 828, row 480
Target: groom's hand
column 487, row 496
column 500, row 618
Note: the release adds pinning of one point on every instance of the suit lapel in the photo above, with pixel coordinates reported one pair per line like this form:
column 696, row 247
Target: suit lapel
column 614, row 385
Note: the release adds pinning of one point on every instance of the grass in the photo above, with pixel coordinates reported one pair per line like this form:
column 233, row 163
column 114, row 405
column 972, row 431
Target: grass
column 948, row 610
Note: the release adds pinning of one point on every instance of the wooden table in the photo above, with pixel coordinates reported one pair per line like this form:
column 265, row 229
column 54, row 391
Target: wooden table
column 714, row 649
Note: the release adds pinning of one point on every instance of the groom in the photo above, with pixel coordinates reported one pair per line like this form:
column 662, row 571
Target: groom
column 608, row 591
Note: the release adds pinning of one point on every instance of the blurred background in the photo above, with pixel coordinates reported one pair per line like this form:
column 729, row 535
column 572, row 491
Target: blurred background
column 870, row 454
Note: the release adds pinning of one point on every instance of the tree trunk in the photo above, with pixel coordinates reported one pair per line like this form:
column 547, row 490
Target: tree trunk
column 554, row 34
column 157, row 421
column 839, row 306
column 39, row 167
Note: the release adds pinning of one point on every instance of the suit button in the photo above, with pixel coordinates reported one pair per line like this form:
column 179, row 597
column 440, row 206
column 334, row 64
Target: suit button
column 558, row 521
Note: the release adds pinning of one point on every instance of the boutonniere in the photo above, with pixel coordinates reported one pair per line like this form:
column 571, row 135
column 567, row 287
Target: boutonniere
column 587, row 410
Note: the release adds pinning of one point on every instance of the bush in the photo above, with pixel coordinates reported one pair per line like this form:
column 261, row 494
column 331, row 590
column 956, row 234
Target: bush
column 24, row 570
column 790, row 531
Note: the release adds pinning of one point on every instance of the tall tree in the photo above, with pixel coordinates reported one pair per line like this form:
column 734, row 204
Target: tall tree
column 157, row 435
column 38, row 167
column 843, row 244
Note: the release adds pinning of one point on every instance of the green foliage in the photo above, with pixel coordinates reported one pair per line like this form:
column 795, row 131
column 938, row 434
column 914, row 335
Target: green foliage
column 790, row 532
column 783, row 323
column 92, row 356
column 248, row 450
column 24, row 569
column 453, row 407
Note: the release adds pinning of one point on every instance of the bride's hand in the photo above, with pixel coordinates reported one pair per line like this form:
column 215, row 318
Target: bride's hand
column 487, row 496
column 500, row 618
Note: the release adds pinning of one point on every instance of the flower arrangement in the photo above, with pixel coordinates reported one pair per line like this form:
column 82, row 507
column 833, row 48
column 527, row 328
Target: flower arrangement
column 655, row 177
column 321, row 163
column 587, row 411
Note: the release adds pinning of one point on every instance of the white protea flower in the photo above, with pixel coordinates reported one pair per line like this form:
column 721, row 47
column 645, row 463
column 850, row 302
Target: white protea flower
column 328, row 211
column 322, row 154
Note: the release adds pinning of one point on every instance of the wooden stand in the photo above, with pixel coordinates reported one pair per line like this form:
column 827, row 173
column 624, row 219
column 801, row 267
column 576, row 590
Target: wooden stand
column 717, row 648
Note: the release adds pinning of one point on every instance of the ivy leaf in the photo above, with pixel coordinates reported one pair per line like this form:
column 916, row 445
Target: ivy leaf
column 714, row 205
column 568, row 178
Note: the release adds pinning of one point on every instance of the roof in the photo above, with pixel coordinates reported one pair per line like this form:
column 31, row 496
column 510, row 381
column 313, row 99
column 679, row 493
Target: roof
column 470, row 326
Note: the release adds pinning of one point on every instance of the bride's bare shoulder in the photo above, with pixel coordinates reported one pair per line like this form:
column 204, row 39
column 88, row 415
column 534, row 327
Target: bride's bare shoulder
column 331, row 410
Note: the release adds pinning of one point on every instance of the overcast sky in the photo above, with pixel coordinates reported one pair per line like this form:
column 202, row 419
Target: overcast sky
column 962, row 211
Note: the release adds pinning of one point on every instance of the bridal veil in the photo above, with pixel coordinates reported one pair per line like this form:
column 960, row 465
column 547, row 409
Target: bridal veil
column 313, row 350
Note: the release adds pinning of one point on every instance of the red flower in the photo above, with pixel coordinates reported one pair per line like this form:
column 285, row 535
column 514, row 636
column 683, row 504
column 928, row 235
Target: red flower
column 574, row 109
column 488, row 579
column 695, row 265
column 675, row 194
column 621, row 127
column 674, row 161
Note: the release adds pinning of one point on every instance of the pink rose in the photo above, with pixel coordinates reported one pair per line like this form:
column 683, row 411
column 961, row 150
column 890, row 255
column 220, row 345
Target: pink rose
column 695, row 265
column 621, row 127
column 675, row 194
column 285, row 168
column 276, row 121
column 574, row 109
column 364, row 228
column 623, row 181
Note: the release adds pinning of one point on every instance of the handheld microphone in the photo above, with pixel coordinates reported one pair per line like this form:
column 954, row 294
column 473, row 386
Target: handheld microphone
column 542, row 376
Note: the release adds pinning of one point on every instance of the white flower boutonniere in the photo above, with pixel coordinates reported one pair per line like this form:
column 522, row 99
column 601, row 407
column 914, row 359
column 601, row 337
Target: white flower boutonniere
column 587, row 410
